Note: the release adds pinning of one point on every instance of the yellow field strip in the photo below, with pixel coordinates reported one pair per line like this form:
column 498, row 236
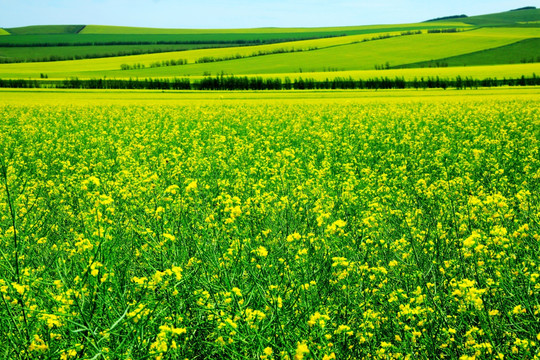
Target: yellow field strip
column 21, row 97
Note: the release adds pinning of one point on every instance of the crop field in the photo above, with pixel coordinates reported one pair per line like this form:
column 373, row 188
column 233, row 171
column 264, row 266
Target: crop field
column 100, row 35
column 358, row 56
column 369, row 225
column 14, row 49
column 340, row 53
column 322, row 221
column 525, row 51
column 42, row 53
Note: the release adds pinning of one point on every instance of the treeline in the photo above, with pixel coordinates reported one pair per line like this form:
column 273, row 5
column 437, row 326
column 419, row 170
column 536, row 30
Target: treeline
column 51, row 58
column 439, row 31
column 156, row 64
column 259, row 83
column 388, row 36
column 443, row 64
column 170, row 42
column 209, row 59
column 530, row 60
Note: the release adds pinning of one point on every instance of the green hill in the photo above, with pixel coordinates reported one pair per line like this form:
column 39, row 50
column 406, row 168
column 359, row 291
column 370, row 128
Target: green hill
column 3, row 32
column 45, row 29
column 107, row 41
column 506, row 18
column 344, row 53
column 504, row 38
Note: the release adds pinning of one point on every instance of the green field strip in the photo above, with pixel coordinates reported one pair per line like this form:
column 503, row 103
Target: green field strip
column 100, row 29
column 27, row 54
column 106, row 39
column 3, row 32
column 523, row 51
column 46, row 29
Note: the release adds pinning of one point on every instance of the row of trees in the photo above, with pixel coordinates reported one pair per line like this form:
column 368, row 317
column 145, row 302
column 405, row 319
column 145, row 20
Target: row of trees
column 170, row 42
column 171, row 62
column 258, row 83
column 209, row 59
column 439, row 31
column 50, row 58
column 530, row 60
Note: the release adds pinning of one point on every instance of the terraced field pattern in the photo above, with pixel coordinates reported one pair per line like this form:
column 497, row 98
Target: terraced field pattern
column 91, row 51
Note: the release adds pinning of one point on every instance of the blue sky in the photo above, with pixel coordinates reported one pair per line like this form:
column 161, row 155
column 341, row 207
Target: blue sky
column 240, row 13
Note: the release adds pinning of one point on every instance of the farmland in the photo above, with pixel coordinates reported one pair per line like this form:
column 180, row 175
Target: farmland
column 466, row 45
column 56, row 38
column 352, row 56
column 369, row 226
column 295, row 224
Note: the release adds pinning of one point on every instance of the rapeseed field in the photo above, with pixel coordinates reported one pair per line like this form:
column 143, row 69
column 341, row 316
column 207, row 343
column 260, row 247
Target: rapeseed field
column 271, row 231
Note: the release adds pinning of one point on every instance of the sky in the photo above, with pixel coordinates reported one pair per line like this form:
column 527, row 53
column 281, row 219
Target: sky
column 241, row 13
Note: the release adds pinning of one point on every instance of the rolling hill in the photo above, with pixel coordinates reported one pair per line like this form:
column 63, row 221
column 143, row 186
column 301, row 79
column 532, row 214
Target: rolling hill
column 126, row 52
column 507, row 18
column 516, row 17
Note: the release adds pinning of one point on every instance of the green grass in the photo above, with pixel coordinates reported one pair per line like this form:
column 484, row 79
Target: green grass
column 3, row 32
column 45, row 29
column 523, row 51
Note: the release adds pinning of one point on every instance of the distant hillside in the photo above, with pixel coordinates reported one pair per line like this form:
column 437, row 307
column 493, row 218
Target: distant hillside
column 3, row 32
column 528, row 14
column 46, row 29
